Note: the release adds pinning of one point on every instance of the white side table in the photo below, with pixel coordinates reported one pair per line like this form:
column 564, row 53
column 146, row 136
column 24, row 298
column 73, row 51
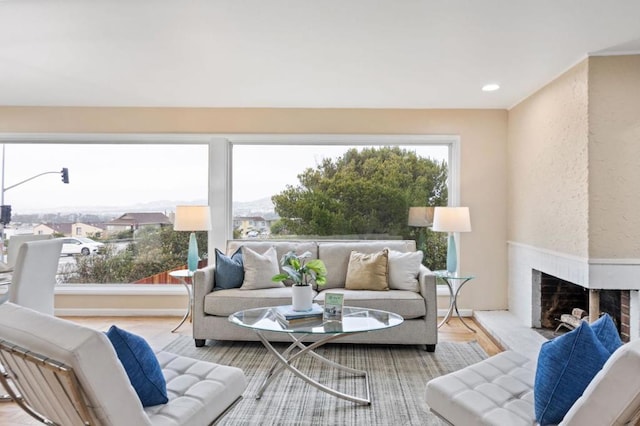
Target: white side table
column 454, row 283
column 184, row 276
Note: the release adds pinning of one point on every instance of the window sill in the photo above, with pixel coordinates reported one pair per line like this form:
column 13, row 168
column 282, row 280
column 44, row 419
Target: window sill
column 120, row 289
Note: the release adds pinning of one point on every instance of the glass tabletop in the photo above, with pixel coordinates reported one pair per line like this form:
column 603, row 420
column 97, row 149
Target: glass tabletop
column 181, row 273
column 354, row 320
column 452, row 276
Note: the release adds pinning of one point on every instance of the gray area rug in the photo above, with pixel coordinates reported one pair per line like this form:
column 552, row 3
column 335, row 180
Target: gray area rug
column 397, row 374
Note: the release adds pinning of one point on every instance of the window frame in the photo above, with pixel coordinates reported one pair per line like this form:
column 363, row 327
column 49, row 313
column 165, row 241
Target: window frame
column 225, row 232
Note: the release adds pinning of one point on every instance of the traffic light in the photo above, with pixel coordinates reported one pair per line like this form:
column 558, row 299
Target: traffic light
column 65, row 175
column 5, row 215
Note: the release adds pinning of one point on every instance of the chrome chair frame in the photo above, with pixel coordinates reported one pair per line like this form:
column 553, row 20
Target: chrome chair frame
column 44, row 388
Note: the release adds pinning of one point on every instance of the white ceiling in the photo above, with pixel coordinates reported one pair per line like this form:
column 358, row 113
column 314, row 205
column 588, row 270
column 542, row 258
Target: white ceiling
column 299, row 53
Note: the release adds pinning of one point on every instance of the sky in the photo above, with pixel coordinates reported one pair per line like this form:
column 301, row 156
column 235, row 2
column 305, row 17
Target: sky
column 114, row 175
column 124, row 175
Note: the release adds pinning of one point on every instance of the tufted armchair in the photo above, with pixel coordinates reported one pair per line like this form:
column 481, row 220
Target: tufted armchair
column 71, row 375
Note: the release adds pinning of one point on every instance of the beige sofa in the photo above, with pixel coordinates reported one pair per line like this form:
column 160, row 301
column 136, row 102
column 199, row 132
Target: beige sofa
column 212, row 308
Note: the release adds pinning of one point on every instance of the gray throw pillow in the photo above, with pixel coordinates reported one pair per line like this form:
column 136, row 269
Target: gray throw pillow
column 259, row 268
column 229, row 272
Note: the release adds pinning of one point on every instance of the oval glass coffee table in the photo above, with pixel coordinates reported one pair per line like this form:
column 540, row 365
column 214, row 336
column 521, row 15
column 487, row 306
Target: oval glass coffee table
column 354, row 320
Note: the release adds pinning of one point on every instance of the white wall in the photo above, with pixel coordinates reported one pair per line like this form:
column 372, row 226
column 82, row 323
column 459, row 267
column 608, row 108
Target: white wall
column 573, row 176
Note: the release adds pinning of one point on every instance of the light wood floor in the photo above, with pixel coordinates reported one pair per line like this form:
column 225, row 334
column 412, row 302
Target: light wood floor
column 157, row 331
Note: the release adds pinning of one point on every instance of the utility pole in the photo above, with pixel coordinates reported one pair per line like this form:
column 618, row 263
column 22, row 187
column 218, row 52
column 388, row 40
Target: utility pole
column 6, row 217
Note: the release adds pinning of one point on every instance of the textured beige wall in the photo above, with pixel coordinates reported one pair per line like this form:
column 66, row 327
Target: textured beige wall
column 483, row 158
column 548, row 189
column 614, row 157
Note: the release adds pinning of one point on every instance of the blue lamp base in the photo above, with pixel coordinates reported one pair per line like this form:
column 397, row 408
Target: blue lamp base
column 192, row 256
column 452, row 257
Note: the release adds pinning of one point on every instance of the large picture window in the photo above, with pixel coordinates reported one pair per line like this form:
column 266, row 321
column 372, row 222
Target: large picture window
column 115, row 213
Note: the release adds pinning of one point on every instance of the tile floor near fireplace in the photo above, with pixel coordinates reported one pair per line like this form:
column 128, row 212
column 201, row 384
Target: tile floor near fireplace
column 507, row 330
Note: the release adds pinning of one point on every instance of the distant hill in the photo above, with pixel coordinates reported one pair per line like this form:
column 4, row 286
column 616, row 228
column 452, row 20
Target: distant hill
column 257, row 207
column 262, row 207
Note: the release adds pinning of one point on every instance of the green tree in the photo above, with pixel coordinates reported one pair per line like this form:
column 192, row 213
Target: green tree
column 365, row 193
column 279, row 228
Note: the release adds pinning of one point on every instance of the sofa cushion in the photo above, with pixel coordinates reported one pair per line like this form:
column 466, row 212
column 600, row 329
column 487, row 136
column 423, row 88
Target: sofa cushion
column 335, row 255
column 368, row 271
column 282, row 247
column 566, row 365
column 229, row 272
column 226, row 302
column 404, row 269
column 259, row 268
column 407, row 304
column 141, row 365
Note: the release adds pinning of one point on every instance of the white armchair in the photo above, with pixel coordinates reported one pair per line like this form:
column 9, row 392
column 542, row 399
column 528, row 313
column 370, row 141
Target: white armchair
column 44, row 355
column 499, row 391
column 16, row 241
column 35, row 264
column 34, row 275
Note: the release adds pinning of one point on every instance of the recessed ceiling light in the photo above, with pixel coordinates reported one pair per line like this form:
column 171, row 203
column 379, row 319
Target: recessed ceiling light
column 491, row 87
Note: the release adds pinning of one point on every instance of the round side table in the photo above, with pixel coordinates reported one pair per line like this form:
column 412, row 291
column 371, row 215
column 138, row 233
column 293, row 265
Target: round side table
column 184, row 276
column 454, row 283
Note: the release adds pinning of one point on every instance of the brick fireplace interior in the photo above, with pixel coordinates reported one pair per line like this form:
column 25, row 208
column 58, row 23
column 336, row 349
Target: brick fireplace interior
column 559, row 297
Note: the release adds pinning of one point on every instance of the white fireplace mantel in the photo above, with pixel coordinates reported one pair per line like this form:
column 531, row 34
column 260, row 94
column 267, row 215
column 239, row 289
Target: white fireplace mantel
column 605, row 274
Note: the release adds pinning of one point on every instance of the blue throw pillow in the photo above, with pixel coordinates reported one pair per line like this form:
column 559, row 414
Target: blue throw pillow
column 229, row 272
column 607, row 333
column 141, row 365
column 565, row 368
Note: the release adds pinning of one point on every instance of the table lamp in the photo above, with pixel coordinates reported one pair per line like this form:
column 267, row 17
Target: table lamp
column 451, row 220
column 420, row 217
column 192, row 218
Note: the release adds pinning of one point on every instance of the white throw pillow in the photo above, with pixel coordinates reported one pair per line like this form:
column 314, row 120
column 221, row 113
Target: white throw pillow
column 259, row 268
column 404, row 269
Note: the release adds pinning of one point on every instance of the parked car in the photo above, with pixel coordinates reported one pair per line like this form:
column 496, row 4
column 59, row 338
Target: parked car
column 80, row 245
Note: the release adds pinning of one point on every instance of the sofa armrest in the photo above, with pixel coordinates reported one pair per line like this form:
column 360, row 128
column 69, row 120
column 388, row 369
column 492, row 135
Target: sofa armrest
column 203, row 282
column 427, row 286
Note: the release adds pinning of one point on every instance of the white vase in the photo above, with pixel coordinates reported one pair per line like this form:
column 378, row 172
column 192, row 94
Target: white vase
column 301, row 297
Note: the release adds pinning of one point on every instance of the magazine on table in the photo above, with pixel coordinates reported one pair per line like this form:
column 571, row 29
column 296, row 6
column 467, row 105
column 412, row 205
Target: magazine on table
column 301, row 323
column 333, row 303
column 287, row 313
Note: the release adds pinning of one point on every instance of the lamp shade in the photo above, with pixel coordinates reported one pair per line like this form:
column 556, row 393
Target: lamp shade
column 451, row 219
column 420, row 216
column 192, row 218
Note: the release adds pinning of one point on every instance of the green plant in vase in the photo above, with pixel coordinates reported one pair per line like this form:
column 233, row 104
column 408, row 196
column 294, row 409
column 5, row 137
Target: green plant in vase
column 302, row 271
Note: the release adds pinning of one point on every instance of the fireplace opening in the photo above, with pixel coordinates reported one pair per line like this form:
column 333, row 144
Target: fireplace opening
column 558, row 297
